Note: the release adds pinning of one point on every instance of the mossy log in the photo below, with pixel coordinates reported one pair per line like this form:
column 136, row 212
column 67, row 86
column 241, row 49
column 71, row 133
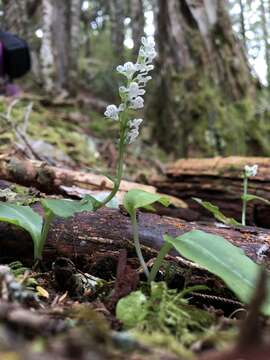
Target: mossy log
column 220, row 181
column 92, row 236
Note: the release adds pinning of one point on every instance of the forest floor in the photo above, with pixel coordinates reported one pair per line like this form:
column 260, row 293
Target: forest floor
column 62, row 311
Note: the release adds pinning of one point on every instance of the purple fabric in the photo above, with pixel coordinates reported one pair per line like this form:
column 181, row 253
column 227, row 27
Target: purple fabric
column 12, row 90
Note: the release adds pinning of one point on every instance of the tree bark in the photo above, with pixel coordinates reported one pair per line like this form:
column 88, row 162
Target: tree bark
column 117, row 17
column 202, row 68
column 137, row 24
column 265, row 24
column 16, row 17
column 219, row 181
column 46, row 50
column 88, row 237
column 75, row 38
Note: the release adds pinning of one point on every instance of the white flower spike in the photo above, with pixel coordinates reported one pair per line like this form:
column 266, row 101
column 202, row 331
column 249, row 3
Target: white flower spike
column 251, row 170
column 132, row 94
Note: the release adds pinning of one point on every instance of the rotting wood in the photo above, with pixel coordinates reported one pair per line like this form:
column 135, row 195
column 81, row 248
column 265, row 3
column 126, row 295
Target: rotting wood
column 51, row 179
column 220, row 181
column 89, row 236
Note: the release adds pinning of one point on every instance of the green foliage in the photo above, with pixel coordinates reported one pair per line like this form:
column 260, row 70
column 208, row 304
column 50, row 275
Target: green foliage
column 164, row 311
column 135, row 199
column 217, row 213
column 29, row 220
column 223, row 259
column 250, row 197
column 25, row 218
column 67, row 208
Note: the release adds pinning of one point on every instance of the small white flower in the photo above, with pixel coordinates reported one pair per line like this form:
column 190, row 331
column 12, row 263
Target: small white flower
column 137, row 103
column 142, row 79
column 128, row 69
column 134, row 91
column 132, row 135
column 251, row 170
column 112, row 112
column 144, row 68
column 135, row 123
column 148, row 42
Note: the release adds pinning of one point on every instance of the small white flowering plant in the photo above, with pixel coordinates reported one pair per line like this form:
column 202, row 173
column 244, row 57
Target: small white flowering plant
column 131, row 94
column 249, row 171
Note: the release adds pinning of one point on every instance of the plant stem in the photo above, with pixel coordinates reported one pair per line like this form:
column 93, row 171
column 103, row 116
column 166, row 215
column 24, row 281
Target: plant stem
column 44, row 233
column 119, row 172
column 158, row 262
column 244, row 205
column 137, row 244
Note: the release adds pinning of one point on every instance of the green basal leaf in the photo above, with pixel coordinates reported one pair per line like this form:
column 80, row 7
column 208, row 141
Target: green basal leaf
column 130, row 309
column 223, row 259
column 67, row 208
column 24, row 217
column 99, row 197
column 135, row 199
column 217, row 213
column 250, row 197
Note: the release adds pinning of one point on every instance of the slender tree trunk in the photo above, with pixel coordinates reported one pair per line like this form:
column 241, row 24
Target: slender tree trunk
column 265, row 25
column 137, row 23
column 75, row 17
column 117, row 27
column 61, row 48
column 243, row 24
column 46, row 51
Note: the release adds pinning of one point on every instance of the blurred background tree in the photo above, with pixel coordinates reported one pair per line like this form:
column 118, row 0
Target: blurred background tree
column 211, row 90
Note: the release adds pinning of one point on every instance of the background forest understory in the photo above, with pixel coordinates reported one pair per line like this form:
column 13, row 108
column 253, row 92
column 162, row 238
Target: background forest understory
column 210, row 91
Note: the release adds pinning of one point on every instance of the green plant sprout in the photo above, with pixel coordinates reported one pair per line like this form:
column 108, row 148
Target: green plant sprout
column 248, row 172
column 133, row 200
column 29, row 220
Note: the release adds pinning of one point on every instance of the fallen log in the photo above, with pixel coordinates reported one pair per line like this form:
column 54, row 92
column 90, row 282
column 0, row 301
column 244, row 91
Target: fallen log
column 220, row 181
column 90, row 236
column 51, row 180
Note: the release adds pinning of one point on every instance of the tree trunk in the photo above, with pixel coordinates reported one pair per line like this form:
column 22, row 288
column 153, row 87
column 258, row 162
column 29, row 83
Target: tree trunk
column 117, row 18
column 137, row 24
column 243, row 24
column 61, row 42
column 75, row 38
column 202, row 69
column 265, row 31
column 46, row 50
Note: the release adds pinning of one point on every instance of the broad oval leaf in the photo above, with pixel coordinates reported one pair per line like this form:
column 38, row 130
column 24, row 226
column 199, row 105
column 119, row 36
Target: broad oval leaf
column 217, row 213
column 223, row 259
column 135, row 199
column 24, row 217
column 67, row 208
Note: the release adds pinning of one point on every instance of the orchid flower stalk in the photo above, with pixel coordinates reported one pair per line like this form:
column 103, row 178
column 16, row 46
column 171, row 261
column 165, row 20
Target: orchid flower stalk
column 249, row 171
column 131, row 95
